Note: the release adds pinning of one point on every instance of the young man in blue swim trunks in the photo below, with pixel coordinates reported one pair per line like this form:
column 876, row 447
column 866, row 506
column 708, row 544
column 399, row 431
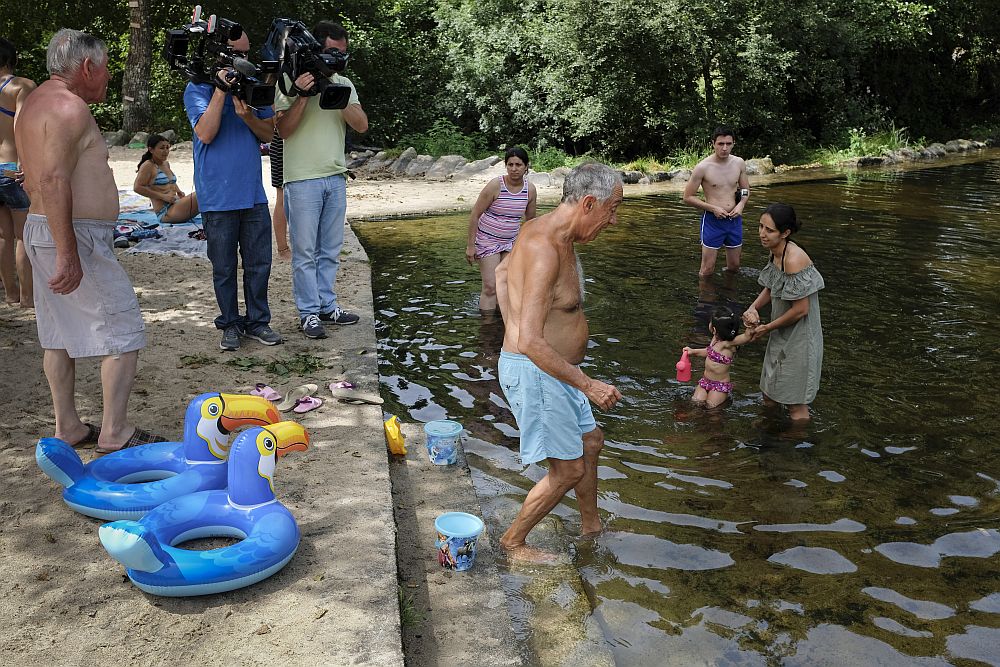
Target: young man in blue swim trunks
column 723, row 178
column 540, row 292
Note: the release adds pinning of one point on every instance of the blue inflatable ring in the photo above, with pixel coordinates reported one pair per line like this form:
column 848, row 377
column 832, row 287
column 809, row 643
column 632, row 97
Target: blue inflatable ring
column 131, row 482
column 247, row 510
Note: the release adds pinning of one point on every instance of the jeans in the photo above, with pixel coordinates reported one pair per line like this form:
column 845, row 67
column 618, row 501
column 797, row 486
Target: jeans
column 249, row 231
column 316, row 209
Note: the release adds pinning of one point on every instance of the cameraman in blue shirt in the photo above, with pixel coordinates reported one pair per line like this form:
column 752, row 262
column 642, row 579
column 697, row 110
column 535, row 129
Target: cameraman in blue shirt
column 227, row 177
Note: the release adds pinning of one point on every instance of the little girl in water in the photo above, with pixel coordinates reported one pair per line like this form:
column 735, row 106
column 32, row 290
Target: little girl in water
column 714, row 386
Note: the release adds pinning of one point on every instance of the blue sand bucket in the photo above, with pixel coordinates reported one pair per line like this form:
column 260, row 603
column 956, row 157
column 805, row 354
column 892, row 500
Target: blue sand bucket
column 457, row 533
column 442, row 441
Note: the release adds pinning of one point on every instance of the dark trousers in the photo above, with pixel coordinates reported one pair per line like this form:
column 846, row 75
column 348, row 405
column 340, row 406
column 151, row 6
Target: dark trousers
column 249, row 232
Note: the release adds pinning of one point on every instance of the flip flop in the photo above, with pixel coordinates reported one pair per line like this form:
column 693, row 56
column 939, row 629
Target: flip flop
column 354, row 397
column 265, row 392
column 137, row 439
column 343, row 384
column 307, row 403
column 93, row 432
column 294, row 395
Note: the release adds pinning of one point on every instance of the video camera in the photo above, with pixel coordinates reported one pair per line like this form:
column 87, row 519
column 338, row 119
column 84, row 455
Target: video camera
column 201, row 49
column 297, row 52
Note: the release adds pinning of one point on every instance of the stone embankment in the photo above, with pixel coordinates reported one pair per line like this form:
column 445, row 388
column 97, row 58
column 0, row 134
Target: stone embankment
column 380, row 164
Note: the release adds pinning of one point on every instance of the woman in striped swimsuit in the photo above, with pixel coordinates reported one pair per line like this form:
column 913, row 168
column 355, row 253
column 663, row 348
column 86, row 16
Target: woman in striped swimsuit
column 496, row 220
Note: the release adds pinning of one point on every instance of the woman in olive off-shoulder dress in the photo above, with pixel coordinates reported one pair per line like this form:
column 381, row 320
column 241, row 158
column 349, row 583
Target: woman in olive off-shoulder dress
column 793, row 361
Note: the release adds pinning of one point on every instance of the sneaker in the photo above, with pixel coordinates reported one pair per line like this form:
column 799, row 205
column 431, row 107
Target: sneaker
column 230, row 339
column 312, row 327
column 338, row 316
column 265, row 335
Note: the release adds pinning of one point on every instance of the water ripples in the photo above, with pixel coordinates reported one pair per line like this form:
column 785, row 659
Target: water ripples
column 866, row 537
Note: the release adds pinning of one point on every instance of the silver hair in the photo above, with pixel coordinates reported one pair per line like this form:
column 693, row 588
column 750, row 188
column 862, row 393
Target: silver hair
column 591, row 178
column 68, row 49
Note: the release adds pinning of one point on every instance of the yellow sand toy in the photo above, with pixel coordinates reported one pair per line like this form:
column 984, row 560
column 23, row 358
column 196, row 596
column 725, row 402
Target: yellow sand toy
column 394, row 436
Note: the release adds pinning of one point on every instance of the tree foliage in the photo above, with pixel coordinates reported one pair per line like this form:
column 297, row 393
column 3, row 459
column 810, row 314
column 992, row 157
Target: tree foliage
column 619, row 78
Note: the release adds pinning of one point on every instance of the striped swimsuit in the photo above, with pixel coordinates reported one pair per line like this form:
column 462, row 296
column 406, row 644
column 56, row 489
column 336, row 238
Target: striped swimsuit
column 499, row 224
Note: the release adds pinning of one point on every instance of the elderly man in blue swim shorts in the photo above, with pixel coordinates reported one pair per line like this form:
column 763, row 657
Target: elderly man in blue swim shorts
column 540, row 291
column 723, row 178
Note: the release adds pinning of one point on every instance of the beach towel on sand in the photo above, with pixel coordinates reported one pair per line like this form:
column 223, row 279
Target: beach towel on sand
column 174, row 239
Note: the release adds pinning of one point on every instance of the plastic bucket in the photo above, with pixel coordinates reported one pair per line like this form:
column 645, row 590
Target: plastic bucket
column 442, row 441
column 457, row 533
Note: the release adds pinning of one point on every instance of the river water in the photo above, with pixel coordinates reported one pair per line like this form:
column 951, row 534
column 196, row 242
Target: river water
column 869, row 536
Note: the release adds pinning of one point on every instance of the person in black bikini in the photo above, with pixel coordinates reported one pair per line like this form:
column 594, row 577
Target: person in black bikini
column 15, row 270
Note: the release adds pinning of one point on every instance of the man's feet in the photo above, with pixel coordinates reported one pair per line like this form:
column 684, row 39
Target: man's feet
column 312, row 327
column 338, row 316
column 265, row 335
column 230, row 339
column 522, row 553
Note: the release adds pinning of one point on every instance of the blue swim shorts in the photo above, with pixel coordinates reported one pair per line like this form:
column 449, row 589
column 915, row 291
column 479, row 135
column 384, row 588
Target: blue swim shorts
column 12, row 195
column 718, row 232
column 551, row 415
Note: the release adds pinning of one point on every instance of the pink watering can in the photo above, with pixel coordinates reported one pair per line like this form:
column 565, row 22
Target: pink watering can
column 684, row 368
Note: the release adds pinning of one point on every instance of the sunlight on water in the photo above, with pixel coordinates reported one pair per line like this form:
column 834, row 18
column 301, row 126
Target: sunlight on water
column 868, row 536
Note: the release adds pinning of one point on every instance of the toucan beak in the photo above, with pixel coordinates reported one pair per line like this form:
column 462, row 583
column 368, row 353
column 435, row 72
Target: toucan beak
column 243, row 410
column 289, row 436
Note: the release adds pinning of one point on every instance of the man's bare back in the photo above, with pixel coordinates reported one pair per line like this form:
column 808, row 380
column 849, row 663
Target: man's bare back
column 64, row 157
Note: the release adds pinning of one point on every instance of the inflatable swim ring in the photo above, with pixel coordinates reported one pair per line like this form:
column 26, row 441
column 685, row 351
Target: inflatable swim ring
column 247, row 510
column 129, row 483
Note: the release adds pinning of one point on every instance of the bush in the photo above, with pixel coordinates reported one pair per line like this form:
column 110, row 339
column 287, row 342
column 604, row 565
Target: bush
column 549, row 158
column 445, row 138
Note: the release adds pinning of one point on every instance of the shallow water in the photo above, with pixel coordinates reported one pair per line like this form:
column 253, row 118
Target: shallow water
column 868, row 536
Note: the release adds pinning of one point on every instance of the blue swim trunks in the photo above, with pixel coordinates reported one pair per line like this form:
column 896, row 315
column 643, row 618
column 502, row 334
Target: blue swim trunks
column 12, row 195
column 551, row 415
column 718, row 232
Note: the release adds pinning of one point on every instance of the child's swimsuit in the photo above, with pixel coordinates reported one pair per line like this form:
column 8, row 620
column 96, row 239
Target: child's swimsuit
column 718, row 357
column 716, row 385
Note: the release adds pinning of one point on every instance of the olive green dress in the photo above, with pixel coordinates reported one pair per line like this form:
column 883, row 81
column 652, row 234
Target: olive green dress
column 794, row 357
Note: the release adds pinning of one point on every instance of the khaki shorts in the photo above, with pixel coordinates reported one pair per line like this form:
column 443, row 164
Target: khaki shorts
column 101, row 317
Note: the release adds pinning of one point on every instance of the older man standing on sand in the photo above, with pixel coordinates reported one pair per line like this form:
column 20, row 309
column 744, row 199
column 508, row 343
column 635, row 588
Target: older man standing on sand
column 85, row 305
column 540, row 290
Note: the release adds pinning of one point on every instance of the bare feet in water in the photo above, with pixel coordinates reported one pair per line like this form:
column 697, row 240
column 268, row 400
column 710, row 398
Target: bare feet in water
column 526, row 554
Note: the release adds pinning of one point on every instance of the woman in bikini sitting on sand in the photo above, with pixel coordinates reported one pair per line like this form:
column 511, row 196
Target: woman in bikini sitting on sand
column 156, row 181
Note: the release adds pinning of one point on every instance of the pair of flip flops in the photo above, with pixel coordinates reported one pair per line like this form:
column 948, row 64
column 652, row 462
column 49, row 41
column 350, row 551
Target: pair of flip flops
column 298, row 399
column 344, row 392
column 137, row 439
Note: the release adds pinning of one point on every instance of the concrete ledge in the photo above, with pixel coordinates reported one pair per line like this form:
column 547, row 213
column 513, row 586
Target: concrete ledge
column 464, row 614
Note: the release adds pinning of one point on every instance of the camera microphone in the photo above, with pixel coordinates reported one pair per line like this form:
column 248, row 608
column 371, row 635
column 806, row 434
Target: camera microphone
column 244, row 67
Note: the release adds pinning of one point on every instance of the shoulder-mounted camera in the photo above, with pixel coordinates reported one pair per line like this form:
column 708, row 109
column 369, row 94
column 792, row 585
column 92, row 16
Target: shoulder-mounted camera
column 201, row 50
column 297, row 52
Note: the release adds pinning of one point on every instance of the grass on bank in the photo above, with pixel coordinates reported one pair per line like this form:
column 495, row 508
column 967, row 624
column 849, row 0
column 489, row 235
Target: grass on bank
column 860, row 144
